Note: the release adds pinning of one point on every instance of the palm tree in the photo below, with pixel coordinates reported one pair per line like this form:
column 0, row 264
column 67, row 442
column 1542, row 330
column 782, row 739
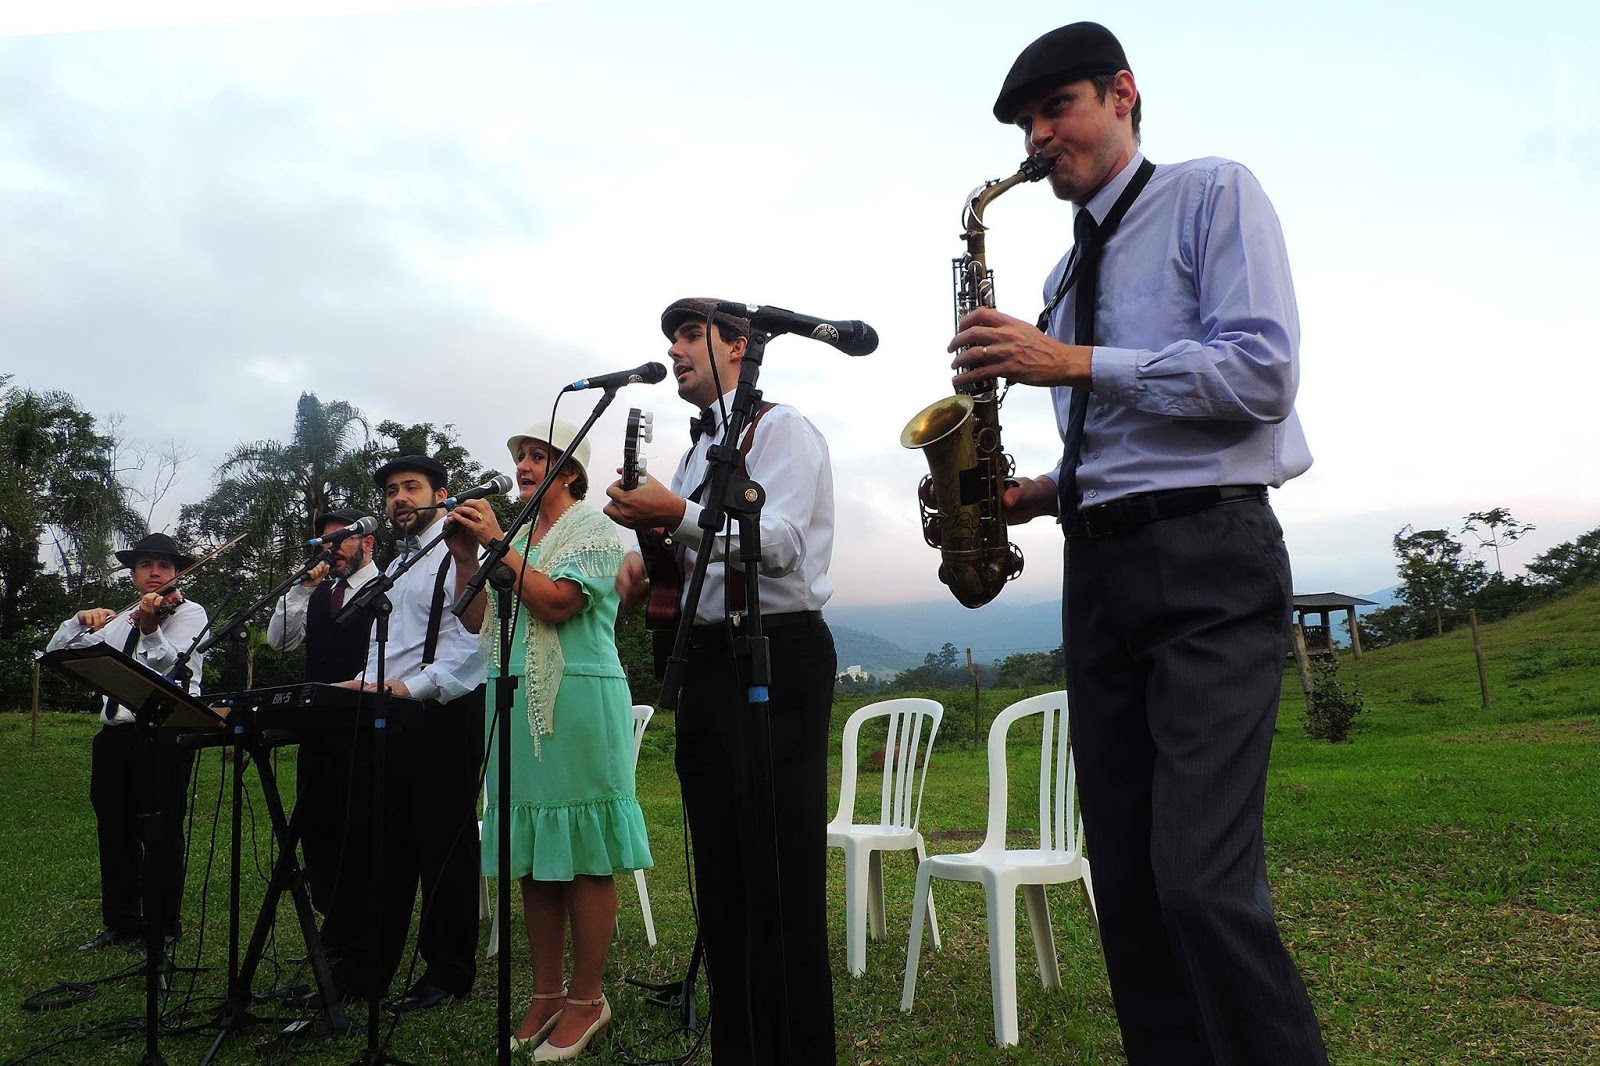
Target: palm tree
column 274, row 489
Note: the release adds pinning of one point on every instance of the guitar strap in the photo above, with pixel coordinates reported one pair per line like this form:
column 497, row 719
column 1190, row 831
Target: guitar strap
column 734, row 587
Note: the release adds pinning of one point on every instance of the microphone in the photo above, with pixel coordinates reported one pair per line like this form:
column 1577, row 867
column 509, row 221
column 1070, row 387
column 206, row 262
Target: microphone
column 363, row 528
column 851, row 336
column 496, row 485
column 649, row 373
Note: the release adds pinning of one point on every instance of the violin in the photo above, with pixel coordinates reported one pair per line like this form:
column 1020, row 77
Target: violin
column 169, row 605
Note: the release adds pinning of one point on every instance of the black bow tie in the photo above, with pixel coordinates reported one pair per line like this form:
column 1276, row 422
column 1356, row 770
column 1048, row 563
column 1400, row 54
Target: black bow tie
column 703, row 425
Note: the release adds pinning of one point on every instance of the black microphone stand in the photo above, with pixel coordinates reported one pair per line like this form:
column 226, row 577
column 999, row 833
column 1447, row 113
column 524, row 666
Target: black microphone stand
column 729, row 494
column 492, row 569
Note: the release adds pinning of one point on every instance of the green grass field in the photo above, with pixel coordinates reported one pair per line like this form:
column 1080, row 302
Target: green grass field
column 1437, row 879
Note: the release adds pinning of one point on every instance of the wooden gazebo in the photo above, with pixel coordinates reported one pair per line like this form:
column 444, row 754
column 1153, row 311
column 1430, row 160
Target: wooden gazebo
column 1319, row 637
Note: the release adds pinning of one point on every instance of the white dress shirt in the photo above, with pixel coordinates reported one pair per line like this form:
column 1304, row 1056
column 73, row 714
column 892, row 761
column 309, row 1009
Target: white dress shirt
column 1197, row 361
column 459, row 665
column 287, row 629
column 789, row 460
column 158, row 649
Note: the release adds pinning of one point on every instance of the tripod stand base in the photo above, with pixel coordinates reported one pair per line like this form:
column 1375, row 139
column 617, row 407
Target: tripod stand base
column 673, row 995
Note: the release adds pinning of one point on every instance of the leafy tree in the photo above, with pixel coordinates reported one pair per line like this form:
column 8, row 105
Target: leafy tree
column 62, row 510
column 1030, row 669
column 1494, row 528
column 1436, row 579
column 1571, row 563
column 948, row 657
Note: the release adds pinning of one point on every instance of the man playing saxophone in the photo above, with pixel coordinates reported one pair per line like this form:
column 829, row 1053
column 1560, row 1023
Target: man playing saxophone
column 1170, row 343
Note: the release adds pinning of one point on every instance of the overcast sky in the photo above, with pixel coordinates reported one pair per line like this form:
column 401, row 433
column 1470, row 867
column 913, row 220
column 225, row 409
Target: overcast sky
column 445, row 213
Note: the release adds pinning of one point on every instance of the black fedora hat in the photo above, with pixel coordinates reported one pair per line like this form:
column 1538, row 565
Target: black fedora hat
column 420, row 464
column 347, row 515
column 1066, row 54
column 156, row 544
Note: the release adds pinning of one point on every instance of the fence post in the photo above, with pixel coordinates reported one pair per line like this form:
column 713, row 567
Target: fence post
column 35, row 727
column 1304, row 662
column 977, row 735
column 1477, row 653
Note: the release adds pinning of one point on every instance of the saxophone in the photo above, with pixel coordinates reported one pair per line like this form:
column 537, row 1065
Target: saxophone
column 960, row 497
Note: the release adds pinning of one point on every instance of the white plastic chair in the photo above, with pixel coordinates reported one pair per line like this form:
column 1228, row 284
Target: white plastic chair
column 900, row 807
column 1059, row 858
column 642, row 713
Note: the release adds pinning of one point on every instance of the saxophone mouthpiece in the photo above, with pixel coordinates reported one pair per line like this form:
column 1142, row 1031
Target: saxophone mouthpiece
column 1037, row 166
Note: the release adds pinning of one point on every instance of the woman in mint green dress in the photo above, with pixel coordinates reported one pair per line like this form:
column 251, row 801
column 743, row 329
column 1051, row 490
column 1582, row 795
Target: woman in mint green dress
column 574, row 816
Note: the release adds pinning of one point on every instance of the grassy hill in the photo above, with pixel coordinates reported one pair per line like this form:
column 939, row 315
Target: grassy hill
column 1436, row 880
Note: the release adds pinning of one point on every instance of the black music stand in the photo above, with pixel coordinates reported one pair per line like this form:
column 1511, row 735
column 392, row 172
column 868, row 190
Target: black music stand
column 158, row 706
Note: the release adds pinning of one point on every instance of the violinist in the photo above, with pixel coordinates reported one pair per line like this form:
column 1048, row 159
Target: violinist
column 160, row 626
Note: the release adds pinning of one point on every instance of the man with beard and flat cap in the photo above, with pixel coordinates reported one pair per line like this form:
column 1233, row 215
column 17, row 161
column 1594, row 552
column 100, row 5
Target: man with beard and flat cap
column 741, row 921
column 332, row 782
column 155, row 632
column 1170, row 341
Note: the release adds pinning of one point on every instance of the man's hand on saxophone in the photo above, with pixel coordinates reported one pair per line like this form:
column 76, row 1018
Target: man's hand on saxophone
column 998, row 345
column 1027, row 498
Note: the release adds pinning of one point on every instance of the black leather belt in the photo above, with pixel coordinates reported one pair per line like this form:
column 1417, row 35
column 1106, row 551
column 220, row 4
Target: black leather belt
column 711, row 633
column 1134, row 512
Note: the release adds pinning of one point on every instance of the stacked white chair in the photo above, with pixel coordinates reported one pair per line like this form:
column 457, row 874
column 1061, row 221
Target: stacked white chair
column 1002, row 871
column 912, row 726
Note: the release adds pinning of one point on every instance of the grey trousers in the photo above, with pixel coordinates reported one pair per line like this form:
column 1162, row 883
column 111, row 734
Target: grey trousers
column 1176, row 635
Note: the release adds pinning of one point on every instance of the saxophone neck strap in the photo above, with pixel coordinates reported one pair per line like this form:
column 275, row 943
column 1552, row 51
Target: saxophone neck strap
column 1088, row 257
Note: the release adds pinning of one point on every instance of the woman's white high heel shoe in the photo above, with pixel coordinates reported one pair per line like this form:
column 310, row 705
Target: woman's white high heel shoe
column 548, row 1052
column 518, row 1043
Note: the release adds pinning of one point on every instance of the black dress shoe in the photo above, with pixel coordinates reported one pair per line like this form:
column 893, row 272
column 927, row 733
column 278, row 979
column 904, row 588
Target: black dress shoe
column 110, row 938
column 421, row 996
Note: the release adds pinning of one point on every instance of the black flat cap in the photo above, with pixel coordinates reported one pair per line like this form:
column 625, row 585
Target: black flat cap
column 420, row 464
column 680, row 311
column 156, row 544
column 1081, row 50
column 346, row 515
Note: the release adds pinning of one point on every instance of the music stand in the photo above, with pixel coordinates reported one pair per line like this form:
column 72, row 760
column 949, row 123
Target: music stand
column 156, row 703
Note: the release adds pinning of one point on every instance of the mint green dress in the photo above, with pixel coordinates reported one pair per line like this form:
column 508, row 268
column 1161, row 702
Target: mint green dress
column 573, row 806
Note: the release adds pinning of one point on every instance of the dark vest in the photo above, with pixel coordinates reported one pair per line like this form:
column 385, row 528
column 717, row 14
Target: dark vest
column 333, row 652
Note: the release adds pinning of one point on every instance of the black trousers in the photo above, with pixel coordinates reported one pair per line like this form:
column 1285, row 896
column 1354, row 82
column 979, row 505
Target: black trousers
column 1176, row 636
column 136, row 843
column 431, row 842
column 762, row 953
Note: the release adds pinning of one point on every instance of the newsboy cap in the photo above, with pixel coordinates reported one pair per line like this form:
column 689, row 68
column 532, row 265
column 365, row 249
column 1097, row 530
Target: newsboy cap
column 1081, row 50
column 347, row 515
column 680, row 311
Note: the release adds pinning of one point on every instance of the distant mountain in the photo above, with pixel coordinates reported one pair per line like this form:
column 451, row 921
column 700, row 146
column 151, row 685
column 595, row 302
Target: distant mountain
column 873, row 654
column 992, row 632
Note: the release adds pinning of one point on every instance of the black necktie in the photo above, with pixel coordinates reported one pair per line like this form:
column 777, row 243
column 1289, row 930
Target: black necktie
column 705, row 424
column 1085, row 264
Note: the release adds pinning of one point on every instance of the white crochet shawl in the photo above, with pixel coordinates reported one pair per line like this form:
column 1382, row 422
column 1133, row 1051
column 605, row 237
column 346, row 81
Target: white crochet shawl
column 582, row 539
